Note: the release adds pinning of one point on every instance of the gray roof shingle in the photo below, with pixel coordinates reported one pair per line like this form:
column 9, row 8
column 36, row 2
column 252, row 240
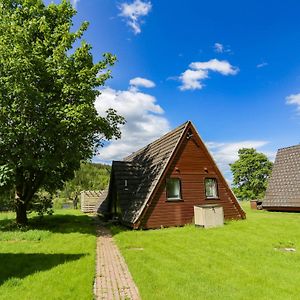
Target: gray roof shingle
column 284, row 184
column 141, row 171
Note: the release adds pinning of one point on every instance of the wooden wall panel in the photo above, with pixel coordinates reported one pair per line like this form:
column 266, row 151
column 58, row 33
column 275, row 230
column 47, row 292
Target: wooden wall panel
column 192, row 166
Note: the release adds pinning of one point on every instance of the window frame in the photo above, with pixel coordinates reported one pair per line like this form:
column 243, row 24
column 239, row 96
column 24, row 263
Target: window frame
column 180, row 190
column 217, row 189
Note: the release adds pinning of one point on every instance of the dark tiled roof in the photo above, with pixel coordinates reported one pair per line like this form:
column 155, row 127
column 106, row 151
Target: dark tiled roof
column 141, row 171
column 284, row 184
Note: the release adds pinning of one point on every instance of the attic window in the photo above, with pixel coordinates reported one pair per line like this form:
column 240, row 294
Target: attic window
column 211, row 188
column 173, row 188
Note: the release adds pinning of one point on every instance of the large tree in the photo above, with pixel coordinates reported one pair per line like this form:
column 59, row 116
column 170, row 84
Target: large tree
column 48, row 122
column 250, row 174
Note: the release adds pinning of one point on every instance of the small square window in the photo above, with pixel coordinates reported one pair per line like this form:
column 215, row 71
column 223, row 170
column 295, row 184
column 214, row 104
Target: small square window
column 211, row 188
column 173, row 189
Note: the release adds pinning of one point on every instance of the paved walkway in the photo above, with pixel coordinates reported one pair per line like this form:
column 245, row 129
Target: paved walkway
column 113, row 280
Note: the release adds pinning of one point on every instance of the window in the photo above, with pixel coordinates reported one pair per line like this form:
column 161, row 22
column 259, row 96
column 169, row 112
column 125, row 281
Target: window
column 211, row 188
column 173, row 189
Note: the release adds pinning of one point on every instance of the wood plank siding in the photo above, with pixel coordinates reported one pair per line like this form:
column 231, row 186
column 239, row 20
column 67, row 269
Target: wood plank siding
column 137, row 190
column 191, row 165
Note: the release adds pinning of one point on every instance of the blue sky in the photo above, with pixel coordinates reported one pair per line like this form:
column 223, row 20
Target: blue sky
column 231, row 67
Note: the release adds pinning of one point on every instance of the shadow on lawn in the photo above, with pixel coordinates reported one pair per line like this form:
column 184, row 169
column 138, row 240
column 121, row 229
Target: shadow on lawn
column 55, row 223
column 20, row 265
column 117, row 228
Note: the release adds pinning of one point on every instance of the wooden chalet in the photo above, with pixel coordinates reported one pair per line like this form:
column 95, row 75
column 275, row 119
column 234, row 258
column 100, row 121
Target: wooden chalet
column 159, row 184
column 283, row 191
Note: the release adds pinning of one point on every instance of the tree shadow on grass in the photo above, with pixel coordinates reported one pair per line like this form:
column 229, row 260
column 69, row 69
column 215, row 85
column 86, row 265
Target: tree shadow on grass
column 65, row 224
column 117, row 228
column 20, row 265
column 55, row 223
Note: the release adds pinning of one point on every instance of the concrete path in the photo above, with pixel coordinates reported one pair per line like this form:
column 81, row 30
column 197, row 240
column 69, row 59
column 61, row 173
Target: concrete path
column 113, row 279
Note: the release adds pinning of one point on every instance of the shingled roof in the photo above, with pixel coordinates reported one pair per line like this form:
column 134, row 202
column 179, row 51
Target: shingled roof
column 137, row 175
column 284, row 184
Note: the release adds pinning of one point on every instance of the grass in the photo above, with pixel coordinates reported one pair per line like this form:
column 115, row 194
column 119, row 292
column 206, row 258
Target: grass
column 53, row 258
column 242, row 260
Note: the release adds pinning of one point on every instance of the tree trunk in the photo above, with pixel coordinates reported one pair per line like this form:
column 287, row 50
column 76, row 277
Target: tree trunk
column 21, row 212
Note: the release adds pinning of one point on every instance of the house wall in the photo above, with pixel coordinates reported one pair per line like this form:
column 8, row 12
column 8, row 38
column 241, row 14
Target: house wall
column 192, row 165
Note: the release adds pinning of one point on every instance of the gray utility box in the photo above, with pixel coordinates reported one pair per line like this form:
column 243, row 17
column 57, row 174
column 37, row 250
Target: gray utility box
column 209, row 215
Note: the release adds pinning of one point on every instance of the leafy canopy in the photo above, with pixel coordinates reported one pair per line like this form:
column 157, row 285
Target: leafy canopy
column 48, row 122
column 90, row 176
column 250, row 174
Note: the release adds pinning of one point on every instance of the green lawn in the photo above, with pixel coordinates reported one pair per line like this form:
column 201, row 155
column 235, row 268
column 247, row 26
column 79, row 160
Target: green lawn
column 241, row 260
column 51, row 260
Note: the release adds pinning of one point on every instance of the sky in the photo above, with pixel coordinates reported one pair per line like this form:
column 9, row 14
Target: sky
column 231, row 67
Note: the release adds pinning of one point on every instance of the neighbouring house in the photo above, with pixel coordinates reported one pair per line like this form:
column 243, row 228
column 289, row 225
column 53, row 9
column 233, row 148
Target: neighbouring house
column 283, row 191
column 159, row 184
column 91, row 200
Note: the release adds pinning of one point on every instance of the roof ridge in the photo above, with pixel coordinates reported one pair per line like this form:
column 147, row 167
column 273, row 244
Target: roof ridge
column 169, row 133
column 289, row 147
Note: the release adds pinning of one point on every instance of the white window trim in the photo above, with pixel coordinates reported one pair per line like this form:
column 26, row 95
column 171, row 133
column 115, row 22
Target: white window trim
column 217, row 189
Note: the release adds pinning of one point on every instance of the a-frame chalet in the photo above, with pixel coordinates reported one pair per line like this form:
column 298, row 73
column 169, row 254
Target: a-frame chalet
column 160, row 184
column 283, row 191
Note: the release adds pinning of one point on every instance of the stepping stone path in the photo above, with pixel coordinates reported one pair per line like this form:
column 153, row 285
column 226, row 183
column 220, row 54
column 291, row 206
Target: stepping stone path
column 113, row 280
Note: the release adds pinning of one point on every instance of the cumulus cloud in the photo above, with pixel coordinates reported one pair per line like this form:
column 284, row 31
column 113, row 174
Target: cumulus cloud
column 227, row 153
column 145, row 121
column 261, row 65
column 220, row 66
column 192, row 78
column 133, row 12
column 294, row 99
column 141, row 82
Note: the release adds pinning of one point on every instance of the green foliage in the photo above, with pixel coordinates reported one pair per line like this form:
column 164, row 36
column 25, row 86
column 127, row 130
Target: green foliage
column 6, row 199
column 48, row 122
column 42, row 203
column 6, row 174
column 90, row 176
column 58, row 203
column 250, row 174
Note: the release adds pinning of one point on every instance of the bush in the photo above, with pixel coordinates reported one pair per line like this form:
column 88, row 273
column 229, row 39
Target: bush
column 42, row 203
column 58, row 203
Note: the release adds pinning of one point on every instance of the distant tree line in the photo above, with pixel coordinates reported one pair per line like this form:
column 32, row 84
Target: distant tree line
column 90, row 176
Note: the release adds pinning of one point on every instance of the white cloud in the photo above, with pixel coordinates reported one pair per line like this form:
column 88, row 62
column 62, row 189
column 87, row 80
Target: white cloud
column 141, row 82
column 75, row 2
column 219, row 48
column 261, row 65
column 226, row 153
column 294, row 99
column 220, row 66
column 133, row 12
column 145, row 121
column 192, row 78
